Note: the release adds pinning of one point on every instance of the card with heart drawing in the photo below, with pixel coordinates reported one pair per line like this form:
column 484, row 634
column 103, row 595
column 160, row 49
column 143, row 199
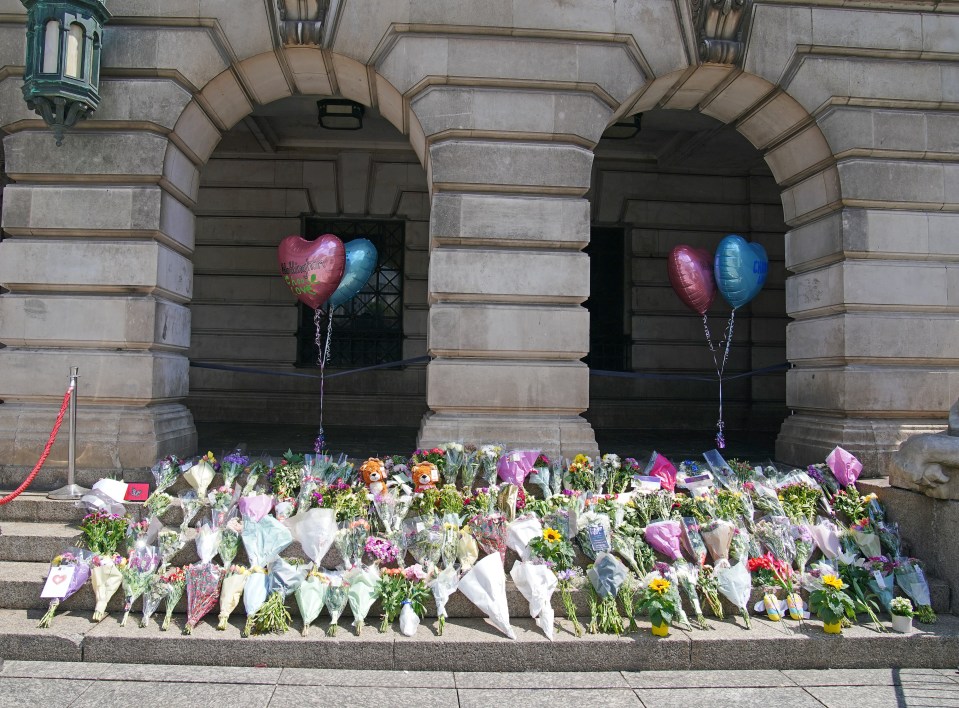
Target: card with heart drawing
column 58, row 581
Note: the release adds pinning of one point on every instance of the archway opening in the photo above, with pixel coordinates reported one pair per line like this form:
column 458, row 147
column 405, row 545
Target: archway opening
column 275, row 173
column 676, row 177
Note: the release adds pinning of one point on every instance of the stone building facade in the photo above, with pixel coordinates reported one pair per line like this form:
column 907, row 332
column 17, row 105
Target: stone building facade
column 494, row 144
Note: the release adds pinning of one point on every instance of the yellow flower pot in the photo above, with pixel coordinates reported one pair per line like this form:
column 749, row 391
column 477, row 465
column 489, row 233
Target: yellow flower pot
column 661, row 630
column 832, row 628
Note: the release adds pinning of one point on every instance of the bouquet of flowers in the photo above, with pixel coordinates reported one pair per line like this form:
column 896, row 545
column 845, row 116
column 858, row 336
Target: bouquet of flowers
column 169, row 543
column 541, row 475
column 687, row 577
column 221, row 502
column 803, row 541
column 362, row 593
column 864, row 533
column 537, row 583
column 735, row 583
column 165, row 472
column 882, row 580
column 490, row 530
column 106, row 578
column 485, row 586
column 777, row 537
column 201, row 474
column 659, row 466
column 190, row 503
column 844, row 466
column 580, row 476
column 350, row 540
column 336, row 599
column 515, row 466
column 234, row 580
column 232, row 466
column 230, row 534
column 488, row 459
column 272, row 616
column 569, row 580
column 391, row 507
column 413, row 607
column 264, row 540
column 173, row 583
column 68, row 572
column 203, row 578
column 316, row 531
column 136, row 574
column 718, row 536
column 692, row 540
column 664, row 537
column 310, row 596
column 912, row 580
column 255, row 507
column 467, row 551
column 444, row 584
column 103, row 534
column 826, row 535
column 593, row 533
column 606, row 576
column 157, row 504
column 152, row 597
column 707, row 584
column 455, row 454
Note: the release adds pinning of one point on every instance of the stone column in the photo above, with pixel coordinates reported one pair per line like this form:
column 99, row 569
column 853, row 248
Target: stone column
column 97, row 264
column 507, row 276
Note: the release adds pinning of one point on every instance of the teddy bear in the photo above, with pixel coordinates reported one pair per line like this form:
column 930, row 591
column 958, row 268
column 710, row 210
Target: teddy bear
column 425, row 476
column 374, row 475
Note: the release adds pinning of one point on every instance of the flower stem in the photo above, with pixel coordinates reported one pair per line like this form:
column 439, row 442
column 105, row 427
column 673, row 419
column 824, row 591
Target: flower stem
column 47, row 619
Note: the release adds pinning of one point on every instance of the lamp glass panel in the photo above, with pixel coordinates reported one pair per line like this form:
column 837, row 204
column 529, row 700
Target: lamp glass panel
column 74, row 51
column 51, row 47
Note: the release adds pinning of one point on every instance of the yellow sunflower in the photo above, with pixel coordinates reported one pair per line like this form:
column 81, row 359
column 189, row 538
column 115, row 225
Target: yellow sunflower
column 660, row 585
column 832, row 581
column 552, row 535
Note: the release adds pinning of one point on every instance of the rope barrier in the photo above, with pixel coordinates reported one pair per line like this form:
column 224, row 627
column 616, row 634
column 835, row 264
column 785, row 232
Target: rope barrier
column 46, row 451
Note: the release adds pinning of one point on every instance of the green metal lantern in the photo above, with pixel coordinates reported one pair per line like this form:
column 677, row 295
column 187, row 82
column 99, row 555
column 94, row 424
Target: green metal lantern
column 61, row 80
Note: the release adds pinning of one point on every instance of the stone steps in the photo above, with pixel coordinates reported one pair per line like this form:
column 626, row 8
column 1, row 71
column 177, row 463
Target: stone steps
column 472, row 645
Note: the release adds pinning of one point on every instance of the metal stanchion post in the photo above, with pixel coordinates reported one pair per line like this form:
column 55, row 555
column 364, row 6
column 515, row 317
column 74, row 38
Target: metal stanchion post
column 71, row 490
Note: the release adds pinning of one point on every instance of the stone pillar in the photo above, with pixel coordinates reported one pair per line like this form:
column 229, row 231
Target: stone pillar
column 507, row 278
column 97, row 263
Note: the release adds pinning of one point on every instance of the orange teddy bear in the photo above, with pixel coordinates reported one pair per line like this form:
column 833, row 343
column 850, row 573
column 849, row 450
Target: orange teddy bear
column 374, row 475
column 425, row 476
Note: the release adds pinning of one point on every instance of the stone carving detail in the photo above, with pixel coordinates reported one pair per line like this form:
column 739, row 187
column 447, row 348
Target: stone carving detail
column 719, row 28
column 930, row 463
column 301, row 22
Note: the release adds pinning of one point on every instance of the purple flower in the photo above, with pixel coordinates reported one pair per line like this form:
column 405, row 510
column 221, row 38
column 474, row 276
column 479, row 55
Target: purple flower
column 564, row 575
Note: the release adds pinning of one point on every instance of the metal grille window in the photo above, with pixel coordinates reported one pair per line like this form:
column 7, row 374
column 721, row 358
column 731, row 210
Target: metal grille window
column 369, row 328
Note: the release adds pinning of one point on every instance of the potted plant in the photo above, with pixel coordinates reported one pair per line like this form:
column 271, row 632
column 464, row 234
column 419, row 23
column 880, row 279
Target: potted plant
column 657, row 602
column 831, row 604
column 902, row 613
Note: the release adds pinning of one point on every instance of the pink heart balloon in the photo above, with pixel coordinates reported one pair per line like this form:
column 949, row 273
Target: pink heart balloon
column 312, row 269
column 691, row 275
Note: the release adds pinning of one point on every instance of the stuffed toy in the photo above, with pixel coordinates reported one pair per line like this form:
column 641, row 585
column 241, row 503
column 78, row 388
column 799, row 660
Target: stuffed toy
column 425, row 476
column 374, row 475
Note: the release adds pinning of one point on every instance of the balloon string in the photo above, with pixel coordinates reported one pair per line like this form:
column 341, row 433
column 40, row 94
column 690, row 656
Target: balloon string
column 724, row 344
column 323, row 355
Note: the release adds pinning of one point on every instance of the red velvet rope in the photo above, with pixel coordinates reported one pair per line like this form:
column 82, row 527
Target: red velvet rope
column 46, row 451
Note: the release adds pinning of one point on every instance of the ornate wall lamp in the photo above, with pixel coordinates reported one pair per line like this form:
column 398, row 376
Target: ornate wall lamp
column 61, row 79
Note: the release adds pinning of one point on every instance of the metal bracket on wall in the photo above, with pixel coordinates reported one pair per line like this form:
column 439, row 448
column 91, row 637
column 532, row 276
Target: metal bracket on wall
column 306, row 22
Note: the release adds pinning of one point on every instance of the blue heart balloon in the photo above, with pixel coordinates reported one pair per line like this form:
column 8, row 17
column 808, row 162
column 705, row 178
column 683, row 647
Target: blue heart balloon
column 740, row 269
column 360, row 261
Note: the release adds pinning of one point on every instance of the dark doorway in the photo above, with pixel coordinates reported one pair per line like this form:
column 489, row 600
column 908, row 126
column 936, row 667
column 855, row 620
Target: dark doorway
column 608, row 341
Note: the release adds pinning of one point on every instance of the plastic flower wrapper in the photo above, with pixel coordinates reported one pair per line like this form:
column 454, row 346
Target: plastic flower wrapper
column 413, row 605
column 255, row 506
column 152, row 598
column 489, row 457
column 157, row 504
column 232, row 466
column 230, row 534
column 362, row 593
column 391, row 507
column 882, row 579
column 455, row 455
column 540, row 477
column 735, row 584
column 485, row 586
column 911, row 578
column 777, row 538
column 310, row 596
column 741, row 546
column 174, row 583
column 709, row 588
column 272, row 617
column 515, row 466
column 234, row 580
column 718, row 535
column 79, row 561
column 844, row 466
column 804, row 543
column 865, row 538
column 606, row 576
column 467, row 551
column 537, row 583
column 826, row 535
column 169, row 543
column 687, row 577
column 137, row 571
column 692, row 541
column 106, row 578
column 889, row 537
column 221, row 501
column 190, row 503
column 264, row 540
column 490, row 531
column 659, row 466
column 443, row 585
column 315, row 531
column 664, row 536
column 203, row 578
column 350, row 540
column 521, row 532
column 165, row 472
column 199, row 476
column 630, row 548
column 336, row 600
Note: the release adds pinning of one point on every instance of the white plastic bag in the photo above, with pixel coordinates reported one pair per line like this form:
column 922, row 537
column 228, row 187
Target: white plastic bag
column 409, row 620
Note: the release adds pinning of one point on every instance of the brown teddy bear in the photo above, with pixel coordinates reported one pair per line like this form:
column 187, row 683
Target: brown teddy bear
column 425, row 476
column 374, row 475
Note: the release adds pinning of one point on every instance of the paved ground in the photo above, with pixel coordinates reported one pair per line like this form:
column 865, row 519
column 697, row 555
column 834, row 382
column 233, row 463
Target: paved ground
column 58, row 685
